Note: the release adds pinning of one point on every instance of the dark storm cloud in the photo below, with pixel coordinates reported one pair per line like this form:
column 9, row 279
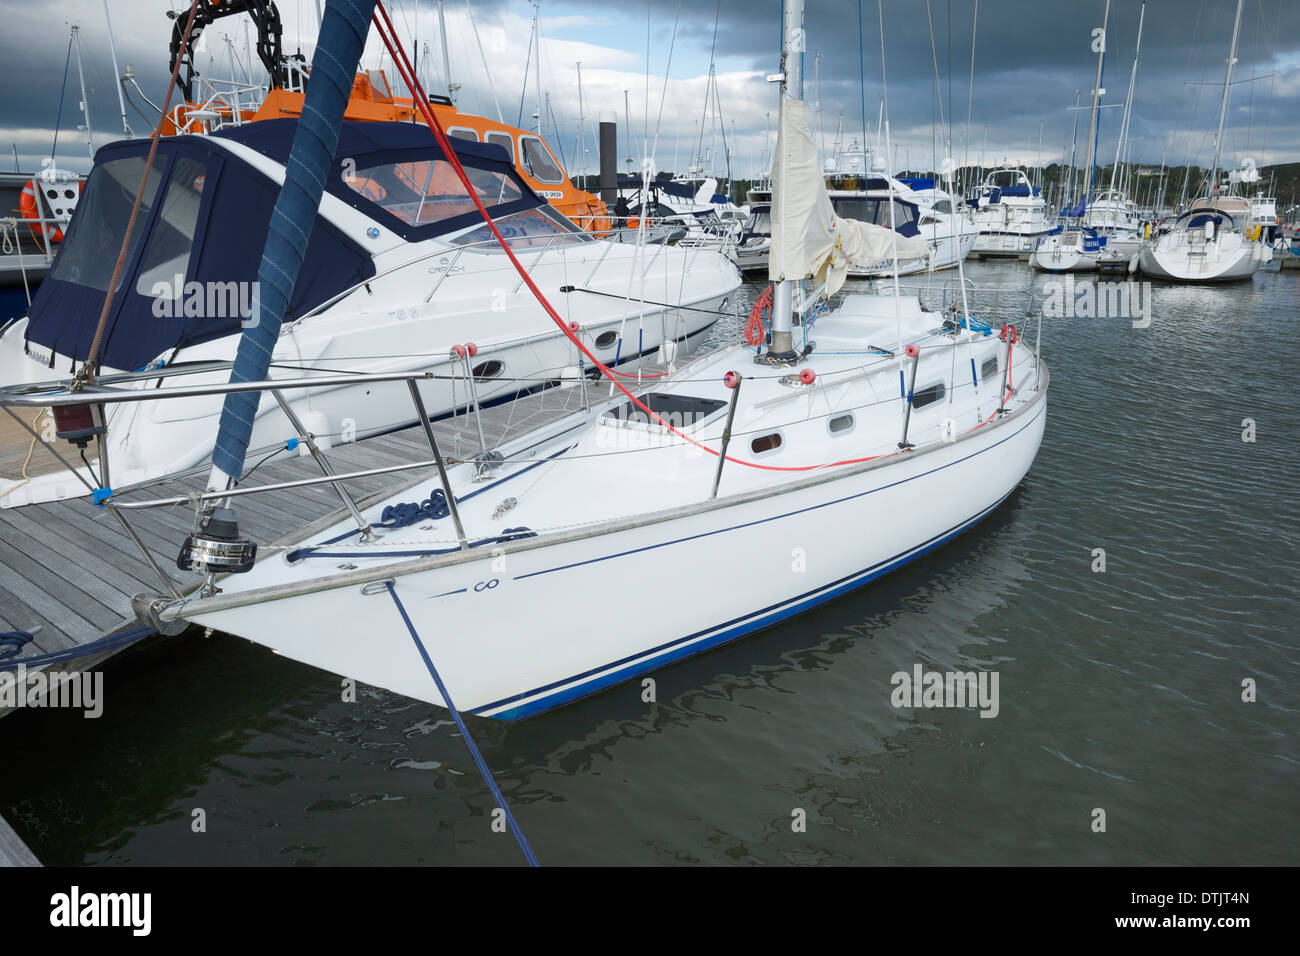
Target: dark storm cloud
column 1030, row 57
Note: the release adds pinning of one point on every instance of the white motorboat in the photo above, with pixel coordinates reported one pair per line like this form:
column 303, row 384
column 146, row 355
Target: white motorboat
column 398, row 273
column 1010, row 213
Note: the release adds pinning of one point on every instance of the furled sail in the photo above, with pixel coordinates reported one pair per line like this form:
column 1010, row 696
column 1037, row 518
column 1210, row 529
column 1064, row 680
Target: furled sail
column 808, row 239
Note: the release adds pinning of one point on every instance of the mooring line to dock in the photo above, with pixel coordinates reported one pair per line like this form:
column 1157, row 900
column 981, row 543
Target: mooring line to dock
column 464, row 731
column 106, row 643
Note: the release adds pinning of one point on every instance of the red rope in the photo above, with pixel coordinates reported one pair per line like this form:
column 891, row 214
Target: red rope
column 755, row 328
column 388, row 34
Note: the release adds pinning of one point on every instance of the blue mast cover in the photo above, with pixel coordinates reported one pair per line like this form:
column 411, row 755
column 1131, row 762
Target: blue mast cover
column 343, row 31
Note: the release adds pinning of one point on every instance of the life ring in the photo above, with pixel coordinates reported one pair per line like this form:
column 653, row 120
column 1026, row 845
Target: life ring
column 755, row 330
column 29, row 208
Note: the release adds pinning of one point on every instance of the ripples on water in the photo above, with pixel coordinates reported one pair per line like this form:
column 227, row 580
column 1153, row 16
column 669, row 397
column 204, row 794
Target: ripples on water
column 1118, row 690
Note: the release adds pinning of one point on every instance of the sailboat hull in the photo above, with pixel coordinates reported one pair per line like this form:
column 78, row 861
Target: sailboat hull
column 516, row 635
column 1177, row 266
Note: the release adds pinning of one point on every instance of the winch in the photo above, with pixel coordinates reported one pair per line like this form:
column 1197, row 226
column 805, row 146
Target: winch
column 216, row 545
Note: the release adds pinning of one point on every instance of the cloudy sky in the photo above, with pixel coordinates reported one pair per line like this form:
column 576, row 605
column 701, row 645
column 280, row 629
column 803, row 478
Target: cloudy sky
column 1030, row 57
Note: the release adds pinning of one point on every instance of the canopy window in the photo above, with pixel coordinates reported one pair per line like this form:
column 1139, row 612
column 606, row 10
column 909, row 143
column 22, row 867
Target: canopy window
column 100, row 222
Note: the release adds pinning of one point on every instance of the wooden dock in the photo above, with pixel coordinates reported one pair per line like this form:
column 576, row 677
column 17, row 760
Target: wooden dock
column 13, row 851
column 68, row 570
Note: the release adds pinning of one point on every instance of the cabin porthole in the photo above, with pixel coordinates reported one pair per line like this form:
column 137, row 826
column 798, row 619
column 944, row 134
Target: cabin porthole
column 489, row 369
column 606, row 340
column 766, row 444
column 841, row 424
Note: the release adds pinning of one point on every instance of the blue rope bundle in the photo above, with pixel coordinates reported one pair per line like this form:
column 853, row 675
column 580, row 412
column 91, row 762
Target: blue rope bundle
column 406, row 513
column 16, row 641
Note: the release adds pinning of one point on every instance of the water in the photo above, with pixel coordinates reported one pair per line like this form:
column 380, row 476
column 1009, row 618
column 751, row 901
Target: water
column 1119, row 691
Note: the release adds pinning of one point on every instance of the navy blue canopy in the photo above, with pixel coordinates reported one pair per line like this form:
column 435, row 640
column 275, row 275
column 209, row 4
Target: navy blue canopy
column 667, row 186
column 204, row 219
column 203, row 222
column 918, row 183
column 365, row 146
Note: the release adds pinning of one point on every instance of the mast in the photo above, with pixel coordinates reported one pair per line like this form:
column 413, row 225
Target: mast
column 446, row 58
column 1128, row 102
column 537, row 42
column 1223, row 104
column 1094, row 125
column 1074, row 144
column 85, row 103
column 782, row 348
column 117, row 77
column 582, row 152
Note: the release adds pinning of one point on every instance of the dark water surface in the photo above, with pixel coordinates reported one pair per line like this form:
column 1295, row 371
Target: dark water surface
column 1120, row 691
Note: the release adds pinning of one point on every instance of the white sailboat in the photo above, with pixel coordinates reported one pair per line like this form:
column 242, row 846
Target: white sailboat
column 1108, row 236
column 744, row 489
column 1208, row 242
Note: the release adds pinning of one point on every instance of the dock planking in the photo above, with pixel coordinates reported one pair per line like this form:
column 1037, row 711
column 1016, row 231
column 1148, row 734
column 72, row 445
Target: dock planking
column 68, row 570
column 13, row 851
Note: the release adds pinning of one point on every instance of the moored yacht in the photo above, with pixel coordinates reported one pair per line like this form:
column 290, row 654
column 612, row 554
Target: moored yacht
column 398, row 274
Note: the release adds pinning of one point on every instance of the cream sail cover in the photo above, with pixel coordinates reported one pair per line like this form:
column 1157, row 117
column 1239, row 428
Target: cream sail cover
column 808, row 239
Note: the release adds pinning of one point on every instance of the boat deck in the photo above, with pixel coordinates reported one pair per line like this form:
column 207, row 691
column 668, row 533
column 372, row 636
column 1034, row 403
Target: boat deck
column 13, row 851
column 68, row 570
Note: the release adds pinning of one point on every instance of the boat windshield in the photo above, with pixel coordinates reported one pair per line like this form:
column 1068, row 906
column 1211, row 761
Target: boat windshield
column 420, row 192
column 875, row 211
column 537, row 227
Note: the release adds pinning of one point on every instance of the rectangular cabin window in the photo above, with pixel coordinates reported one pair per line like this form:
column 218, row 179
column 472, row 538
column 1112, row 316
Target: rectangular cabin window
column 89, row 252
column 171, row 241
column 504, row 140
column 462, row 132
column 928, row 395
column 422, row 191
column 989, row 369
column 537, row 160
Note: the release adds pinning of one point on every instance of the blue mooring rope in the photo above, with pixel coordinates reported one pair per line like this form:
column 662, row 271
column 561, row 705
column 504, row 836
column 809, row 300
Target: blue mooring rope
column 464, row 732
column 111, row 641
column 16, row 641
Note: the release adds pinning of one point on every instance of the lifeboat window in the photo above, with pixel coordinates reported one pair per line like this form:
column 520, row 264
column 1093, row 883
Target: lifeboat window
column 497, row 138
column 420, row 192
column 766, row 443
column 462, row 132
column 171, row 239
column 89, row 252
column 841, row 424
column 989, row 368
column 606, row 340
column 537, row 160
column 489, row 369
column 928, row 395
